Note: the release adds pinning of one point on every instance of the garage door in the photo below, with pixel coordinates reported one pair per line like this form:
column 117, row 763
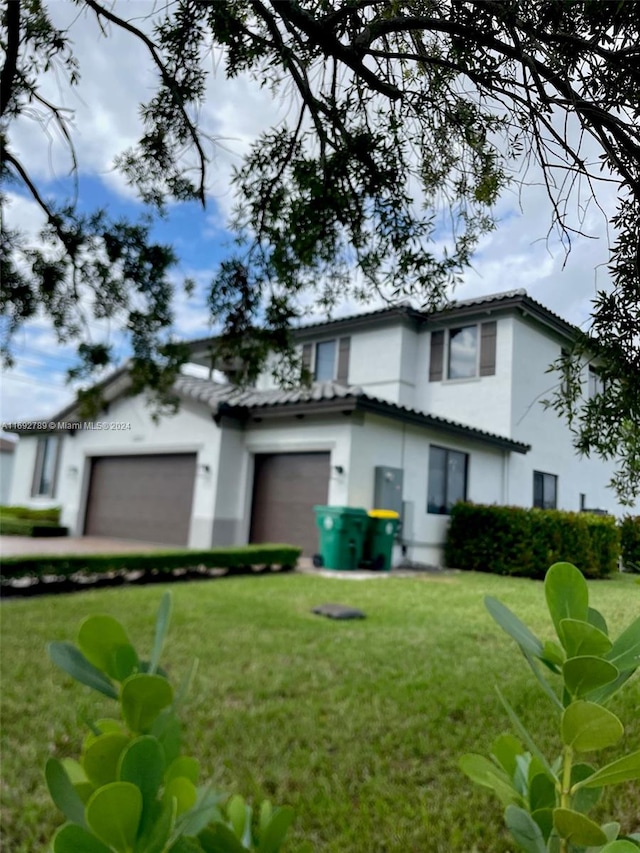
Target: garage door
column 286, row 487
column 141, row 497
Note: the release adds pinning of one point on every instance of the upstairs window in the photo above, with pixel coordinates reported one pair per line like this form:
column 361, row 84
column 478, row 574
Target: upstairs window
column 545, row 490
column 44, row 474
column 463, row 352
column 596, row 385
column 447, row 479
column 325, row 366
column 328, row 361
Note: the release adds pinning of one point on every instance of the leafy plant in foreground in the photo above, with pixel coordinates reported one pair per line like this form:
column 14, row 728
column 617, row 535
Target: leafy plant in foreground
column 547, row 802
column 132, row 791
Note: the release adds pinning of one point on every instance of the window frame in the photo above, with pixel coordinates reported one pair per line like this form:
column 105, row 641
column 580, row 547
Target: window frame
column 545, row 475
column 443, row 508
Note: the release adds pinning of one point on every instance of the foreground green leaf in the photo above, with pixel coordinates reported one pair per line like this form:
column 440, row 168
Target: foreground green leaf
column 577, row 828
column 623, row 770
column 567, row 595
column 113, row 814
column 63, row 793
column 625, row 653
column 143, row 697
column 584, row 674
column 484, row 772
column 525, row 830
column 587, row 726
column 71, row 838
column 510, row 623
column 74, row 663
column 162, row 626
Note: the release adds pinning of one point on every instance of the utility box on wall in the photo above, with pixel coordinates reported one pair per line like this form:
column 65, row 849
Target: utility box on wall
column 387, row 491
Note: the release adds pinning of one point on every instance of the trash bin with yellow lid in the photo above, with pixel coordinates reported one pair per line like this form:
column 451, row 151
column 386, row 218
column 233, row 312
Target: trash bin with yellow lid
column 381, row 533
column 341, row 532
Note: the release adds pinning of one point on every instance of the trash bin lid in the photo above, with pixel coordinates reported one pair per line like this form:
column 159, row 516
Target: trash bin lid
column 339, row 510
column 383, row 513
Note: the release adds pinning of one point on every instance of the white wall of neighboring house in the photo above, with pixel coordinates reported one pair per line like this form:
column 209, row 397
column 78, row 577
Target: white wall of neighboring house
column 7, row 459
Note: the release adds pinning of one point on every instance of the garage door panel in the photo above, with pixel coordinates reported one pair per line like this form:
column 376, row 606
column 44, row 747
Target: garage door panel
column 141, row 497
column 286, row 488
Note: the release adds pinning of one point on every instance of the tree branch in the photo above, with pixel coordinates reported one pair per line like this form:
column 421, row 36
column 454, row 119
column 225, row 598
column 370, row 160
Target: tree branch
column 168, row 81
column 8, row 76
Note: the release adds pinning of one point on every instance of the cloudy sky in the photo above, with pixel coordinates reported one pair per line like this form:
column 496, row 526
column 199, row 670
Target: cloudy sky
column 116, row 77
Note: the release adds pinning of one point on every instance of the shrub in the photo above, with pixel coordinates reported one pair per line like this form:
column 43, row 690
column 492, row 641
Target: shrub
column 161, row 561
column 28, row 527
column 51, row 514
column 517, row 541
column 547, row 801
column 132, row 789
column 630, row 542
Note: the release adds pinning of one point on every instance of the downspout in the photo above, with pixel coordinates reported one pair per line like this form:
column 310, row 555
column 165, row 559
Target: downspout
column 505, row 477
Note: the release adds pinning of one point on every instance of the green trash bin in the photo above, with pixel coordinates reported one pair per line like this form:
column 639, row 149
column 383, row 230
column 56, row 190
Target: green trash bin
column 341, row 533
column 381, row 533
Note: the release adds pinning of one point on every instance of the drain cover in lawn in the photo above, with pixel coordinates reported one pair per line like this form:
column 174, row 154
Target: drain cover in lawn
column 338, row 611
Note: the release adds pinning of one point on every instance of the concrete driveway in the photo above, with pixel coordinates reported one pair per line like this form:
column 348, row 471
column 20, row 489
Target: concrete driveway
column 14, row 546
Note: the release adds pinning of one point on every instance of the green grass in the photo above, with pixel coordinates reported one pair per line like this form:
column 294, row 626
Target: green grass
column 358, row 725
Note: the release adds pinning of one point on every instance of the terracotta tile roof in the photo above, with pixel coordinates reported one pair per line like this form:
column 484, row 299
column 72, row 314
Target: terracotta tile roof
column 234, row 401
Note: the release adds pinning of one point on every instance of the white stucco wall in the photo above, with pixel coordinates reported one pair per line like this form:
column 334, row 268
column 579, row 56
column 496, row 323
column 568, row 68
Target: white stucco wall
column 484, row 401
column 375, row 362
column 552, row 449
column 382, row 441
column 6, row 475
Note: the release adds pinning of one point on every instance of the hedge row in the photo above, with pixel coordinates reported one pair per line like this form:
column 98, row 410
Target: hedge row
column 515, row 541
column 25, row 527
column 160, row 561
column 630, row 541
column 52, row 514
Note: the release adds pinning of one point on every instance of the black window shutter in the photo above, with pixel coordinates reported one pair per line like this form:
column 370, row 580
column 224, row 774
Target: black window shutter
column 344, row 347
column 437, row 356
column 488, row 348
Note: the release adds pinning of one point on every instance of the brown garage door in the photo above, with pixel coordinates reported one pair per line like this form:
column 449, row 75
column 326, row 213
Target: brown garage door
column 141, row 497
column 286, row 487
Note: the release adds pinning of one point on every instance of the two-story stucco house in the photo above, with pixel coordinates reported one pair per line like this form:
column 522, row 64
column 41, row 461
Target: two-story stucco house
column 408, row 410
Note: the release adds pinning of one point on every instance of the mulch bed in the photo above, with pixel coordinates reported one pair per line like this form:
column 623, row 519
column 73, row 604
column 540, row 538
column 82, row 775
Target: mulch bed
column 54, row 584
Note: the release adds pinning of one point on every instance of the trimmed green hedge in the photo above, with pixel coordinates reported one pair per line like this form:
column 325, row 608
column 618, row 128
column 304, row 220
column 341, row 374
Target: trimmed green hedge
column 516, row 541
column 160, row 561
column 630, row 541
column 24, row 527
column 51, row 514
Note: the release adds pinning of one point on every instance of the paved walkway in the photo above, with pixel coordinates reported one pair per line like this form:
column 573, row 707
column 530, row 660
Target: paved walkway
column 13, row 546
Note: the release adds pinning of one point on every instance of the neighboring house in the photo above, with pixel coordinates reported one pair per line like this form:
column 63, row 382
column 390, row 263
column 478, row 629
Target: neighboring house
column 7, row 448
column 408, row 410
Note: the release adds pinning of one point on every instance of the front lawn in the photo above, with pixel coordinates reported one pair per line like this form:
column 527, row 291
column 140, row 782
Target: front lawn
column 359, row 725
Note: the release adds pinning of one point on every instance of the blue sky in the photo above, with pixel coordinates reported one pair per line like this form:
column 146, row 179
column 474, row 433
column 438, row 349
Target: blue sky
column 116, row 76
